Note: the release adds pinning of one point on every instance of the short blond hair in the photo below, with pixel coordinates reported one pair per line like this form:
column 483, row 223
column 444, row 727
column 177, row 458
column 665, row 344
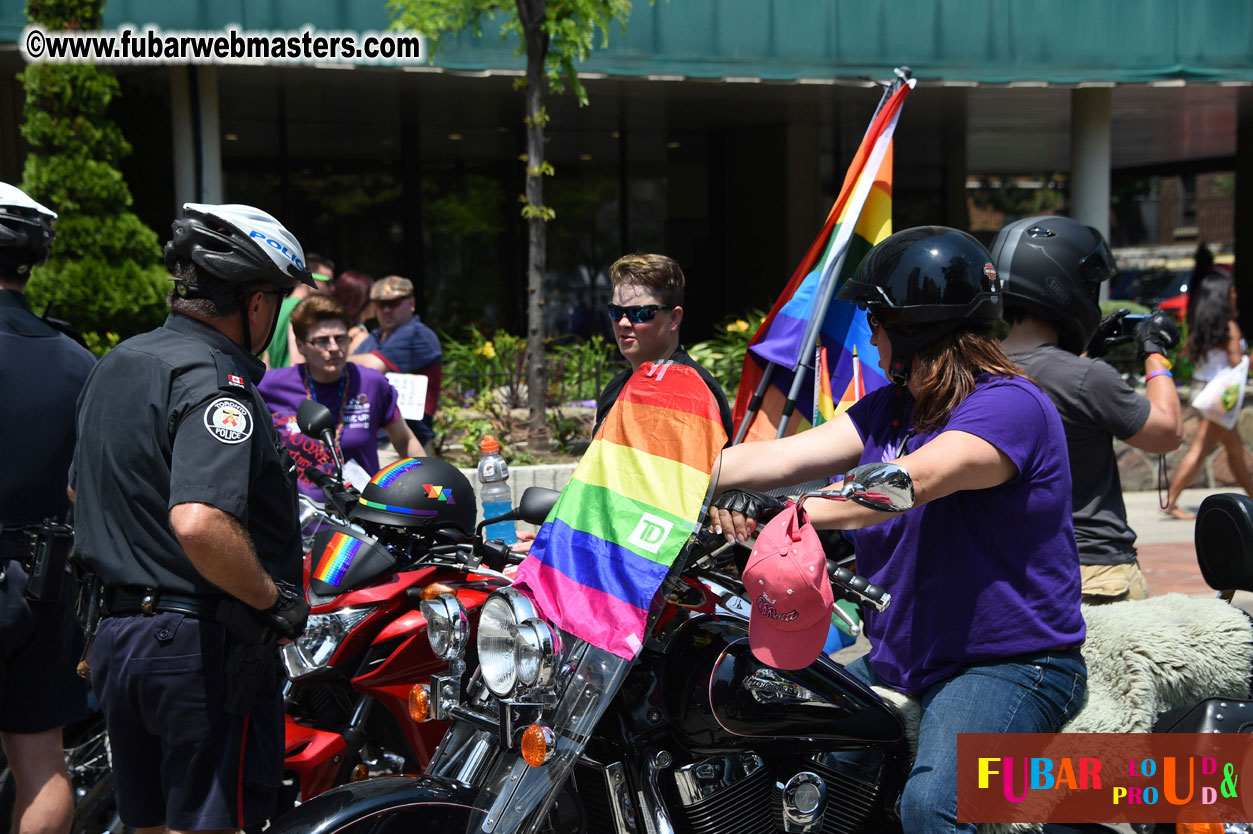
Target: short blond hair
column 658, row 274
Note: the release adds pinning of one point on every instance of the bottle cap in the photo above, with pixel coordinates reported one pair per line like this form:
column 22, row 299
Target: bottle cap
column 489, row 445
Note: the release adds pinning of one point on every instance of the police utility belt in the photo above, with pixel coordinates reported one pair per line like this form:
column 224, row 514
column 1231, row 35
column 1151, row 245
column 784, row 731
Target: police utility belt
column 241, row 622
column 43, row 551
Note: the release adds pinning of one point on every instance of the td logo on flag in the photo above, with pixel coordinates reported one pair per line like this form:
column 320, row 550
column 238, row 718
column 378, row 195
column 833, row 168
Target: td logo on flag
column 650, row 532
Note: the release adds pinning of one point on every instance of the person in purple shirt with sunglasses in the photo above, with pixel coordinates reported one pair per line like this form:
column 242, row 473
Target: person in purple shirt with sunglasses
column 646, row 312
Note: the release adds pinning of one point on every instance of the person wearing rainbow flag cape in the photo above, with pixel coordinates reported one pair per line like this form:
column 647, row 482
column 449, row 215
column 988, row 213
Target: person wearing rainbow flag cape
column 646, row 312
column 985, row 626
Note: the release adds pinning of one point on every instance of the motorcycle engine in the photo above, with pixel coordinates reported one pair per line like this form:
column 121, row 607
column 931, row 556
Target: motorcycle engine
column 738, row 794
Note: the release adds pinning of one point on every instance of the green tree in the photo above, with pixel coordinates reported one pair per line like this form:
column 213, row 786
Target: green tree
column 105, row 273
column 554, row 35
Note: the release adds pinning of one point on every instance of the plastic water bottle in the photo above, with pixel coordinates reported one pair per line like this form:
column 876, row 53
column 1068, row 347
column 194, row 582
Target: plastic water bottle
column 494, row 492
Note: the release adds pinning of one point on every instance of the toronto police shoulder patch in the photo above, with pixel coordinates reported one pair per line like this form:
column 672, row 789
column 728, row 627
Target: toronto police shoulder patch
column 228, row 420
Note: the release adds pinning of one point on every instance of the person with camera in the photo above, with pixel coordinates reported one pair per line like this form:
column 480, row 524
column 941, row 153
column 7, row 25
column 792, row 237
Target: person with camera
column 41, row 373
column 1052, row 269
column 186, row 511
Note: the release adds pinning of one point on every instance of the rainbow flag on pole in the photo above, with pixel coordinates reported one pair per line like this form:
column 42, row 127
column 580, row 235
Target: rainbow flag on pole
column 634, row 500
column 860, row 218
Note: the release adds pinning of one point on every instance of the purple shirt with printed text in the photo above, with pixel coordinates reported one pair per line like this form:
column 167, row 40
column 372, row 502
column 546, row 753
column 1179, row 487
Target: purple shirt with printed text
column 369, row 403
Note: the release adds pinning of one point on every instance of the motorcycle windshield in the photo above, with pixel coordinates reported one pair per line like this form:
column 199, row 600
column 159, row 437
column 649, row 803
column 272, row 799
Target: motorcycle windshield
column 513, row 790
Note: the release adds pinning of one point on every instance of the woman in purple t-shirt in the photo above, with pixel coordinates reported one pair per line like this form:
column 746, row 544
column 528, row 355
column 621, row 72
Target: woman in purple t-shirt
column 984, row 627
column 360, row 399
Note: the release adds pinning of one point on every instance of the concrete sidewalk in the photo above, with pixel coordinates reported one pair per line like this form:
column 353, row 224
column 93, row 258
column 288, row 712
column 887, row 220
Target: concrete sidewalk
column 1165, row 544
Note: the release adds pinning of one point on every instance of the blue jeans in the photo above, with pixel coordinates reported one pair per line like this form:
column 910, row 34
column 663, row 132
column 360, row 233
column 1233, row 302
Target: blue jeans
column 1029, row 694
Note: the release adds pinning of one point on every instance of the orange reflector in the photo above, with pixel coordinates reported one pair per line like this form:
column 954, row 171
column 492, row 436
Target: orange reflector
column 1199, row 828
column 360, row 772
column 435, row 589
column 420, row 703
column 538, row 744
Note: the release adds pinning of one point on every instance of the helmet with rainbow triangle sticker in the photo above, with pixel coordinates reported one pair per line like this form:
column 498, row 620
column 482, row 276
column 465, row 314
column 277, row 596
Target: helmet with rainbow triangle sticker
column 418, row 492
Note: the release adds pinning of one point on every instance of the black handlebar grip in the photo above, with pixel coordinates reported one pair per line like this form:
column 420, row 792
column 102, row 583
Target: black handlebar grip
column 317, row 477
column 858, row 583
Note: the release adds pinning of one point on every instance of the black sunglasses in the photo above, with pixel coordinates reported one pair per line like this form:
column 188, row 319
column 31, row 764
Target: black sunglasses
column 637, row 314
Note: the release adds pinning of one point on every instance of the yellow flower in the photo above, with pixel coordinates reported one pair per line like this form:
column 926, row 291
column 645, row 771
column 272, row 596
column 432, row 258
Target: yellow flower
column 741, row 325
column 488, row 350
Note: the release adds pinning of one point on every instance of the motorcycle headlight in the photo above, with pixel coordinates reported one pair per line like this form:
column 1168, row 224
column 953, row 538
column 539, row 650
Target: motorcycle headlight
column 447, row 626
column 311, row 651
column 537, row 655
column 498, row 639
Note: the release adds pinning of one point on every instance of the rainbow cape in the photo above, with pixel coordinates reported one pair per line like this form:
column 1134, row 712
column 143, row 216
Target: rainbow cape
column 633, row 501
column 860, row 218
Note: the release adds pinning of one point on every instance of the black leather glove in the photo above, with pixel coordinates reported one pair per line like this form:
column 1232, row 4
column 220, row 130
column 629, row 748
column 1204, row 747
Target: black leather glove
column 289, row 612
column 1156, row 334
column 1108, row 334
column 750, row 503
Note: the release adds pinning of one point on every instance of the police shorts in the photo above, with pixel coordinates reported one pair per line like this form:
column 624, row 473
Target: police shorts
column 40, row 645
column 177, row 757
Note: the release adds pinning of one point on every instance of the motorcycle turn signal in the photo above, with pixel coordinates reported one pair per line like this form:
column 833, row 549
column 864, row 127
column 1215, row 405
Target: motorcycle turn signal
column 538, row 745
column 420, row 703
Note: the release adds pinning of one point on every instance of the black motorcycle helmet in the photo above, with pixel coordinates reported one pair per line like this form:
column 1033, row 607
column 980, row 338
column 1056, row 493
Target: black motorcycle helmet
column 418, row 492
column 1052, row 268
column 923, row 283
column 25, row 231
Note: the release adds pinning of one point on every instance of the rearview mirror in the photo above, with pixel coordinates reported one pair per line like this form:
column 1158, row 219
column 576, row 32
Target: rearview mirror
column 314, row 419
column 886, row 487
column 536, row 504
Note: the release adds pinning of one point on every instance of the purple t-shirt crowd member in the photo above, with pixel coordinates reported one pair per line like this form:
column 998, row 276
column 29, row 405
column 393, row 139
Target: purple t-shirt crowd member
column 361, row 406
column 999, row 573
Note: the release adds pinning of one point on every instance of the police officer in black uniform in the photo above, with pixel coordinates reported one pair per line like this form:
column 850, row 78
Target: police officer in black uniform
column 41, row 374
column 187, row 513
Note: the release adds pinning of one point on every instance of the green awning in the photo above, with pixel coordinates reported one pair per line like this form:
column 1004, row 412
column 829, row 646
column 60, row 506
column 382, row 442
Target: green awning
column 981, row 41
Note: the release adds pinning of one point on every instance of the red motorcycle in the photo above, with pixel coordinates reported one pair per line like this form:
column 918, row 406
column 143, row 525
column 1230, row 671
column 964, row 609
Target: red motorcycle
column 354, row 705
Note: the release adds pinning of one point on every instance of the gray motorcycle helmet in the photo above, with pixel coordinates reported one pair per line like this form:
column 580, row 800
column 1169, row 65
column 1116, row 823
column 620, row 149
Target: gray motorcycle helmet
column 1052, row 268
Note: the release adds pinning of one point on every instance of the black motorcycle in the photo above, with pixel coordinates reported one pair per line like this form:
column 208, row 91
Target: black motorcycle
column 695, row 735
column 554, row 734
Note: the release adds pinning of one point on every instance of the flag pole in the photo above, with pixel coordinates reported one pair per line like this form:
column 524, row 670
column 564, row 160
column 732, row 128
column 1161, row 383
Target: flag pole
column 754, row 405
column 821, row 304
column 903, row 75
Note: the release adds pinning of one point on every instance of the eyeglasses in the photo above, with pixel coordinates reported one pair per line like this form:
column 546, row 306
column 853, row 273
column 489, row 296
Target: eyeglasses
column 637, row 314
column 324, row 342
column 873, row 322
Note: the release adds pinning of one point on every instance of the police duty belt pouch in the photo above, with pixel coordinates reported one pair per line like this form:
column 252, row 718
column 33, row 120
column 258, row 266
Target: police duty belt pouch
column 44, row 551
column 343, row 558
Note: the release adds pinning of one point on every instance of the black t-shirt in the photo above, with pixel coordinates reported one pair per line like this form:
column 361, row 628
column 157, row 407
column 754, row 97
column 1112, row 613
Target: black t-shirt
column 173, row 417
column 41, row 374
column 1095, row 405
column 609, row 395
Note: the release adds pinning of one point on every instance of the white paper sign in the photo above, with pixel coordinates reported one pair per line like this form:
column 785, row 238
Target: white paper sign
column 355, row 474
column 411, row 389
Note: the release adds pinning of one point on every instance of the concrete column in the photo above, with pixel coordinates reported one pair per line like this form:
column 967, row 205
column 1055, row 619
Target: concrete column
column 805, row 211
column 956, row 211
column 197, row 135
column 1090, row 156
column 1244, row 204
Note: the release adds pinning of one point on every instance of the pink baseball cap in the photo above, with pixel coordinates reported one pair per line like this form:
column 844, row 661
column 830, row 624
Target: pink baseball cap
column 787, row 584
